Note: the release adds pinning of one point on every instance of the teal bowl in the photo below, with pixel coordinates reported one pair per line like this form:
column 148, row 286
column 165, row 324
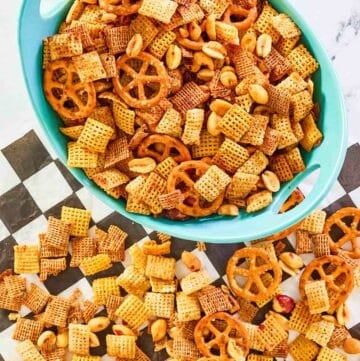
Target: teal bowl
column 327, row 159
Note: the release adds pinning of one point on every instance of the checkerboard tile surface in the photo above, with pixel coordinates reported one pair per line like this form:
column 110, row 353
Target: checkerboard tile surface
column 34, row 186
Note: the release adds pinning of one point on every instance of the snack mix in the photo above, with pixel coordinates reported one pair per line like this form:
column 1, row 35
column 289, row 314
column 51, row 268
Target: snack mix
column 250, row 318
column 183, row 108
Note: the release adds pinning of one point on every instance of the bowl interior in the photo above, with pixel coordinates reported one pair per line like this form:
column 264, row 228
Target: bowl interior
column 327, row 158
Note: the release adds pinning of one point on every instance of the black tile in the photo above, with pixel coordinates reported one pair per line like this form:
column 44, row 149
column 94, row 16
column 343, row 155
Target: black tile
column 147, row 346
column 350, row 176
column 65, row 279
column 342, row 202
column 17, row 208
column 355, row 331
column 135, row 231
column 101, row 350
column 1, row 358
column 219, row 254
column 71, row 201
column 4, row 320
column 74, row 184
column 27, row 155
column 116, row 269
column 7, row 253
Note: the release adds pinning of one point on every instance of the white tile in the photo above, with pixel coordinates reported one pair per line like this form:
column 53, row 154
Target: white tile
column 355, row 196
column 336, row 192
column 4, row 232
column 290, row 287
column 84, row 287
column 8, row 177
column 48, row 187
column 8, row 345
column 99, row 210
column 29, row 233
column 353, row 305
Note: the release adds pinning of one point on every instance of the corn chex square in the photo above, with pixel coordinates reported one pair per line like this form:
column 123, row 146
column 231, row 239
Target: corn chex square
column 195, row 281
column 320, row 332
column 159, row 10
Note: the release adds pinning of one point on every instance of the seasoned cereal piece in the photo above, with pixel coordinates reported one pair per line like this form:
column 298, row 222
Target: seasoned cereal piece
column 247, row 311
column 112, row 304
column 95, row 264
column 271, row 141
column 117, row 38
column 303, row 349
column 82, row 247
column 271, row 333
column 212, row 300
column 170, row 123
column 212, row 183
column 79, row 339
column 160, row 304
column 26, row 259
column 317, row 296
column 89, row 67
column 216, row 7
column 254, row 357
column 193, row 125
column 295, row 160
column 117, row 151
column 79, row 157
column 72, row 132
column 264, row 23
column 27, row 330
column 195, row 281
column 133, row 311
column 253, row 332
column 36, row 298
column 312, row 134
column 279, row 100
column 51, row 267
column 302, row 61
column 185, row 349
column 57, row 311
column 241, row 185
column 161, row 43
column 29, row 352
column 171, row 200
column 161, row 11
column 165, row 167
column 301, row 318
column 89, row 310
column 151, row 247
column 78, row 218
column 285, row 46
column 302, row 105
column 103, row 288
column 154, row 186
column 188, row 307
column 15, row 286
column 208, row 147
column 294, row 84
column 285, row 26
column 162, row 286
column 64, row 45
column 124, row 118
column 256, row 133
column 8, row 303
column 303, row 242
column 320, row 332
column 258, row 201
column 314, row 222
column 110, row 179
column 121, row 346
column 280, row 166
column 256, row 164
column 133, row 281
column 160, row 267
column 138, row 257
column 327, row 354
column 321, row 245
column 278, row 65
column 283, row 125
column 58, row 233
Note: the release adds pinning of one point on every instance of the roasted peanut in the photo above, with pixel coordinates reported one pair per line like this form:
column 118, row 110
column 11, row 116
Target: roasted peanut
column 329, row 318
column 219, row 63
column 248, row 42
column 342, row 314
column 94, row 340
column 287, row 269
column 227, row 68
column 351, row 346
column 271, row 181
column 228, row 79
column 292, row 260
column 205, row 74
column 214, row 49
column 200, row 59
column 142, row 165
column 173, row 57
column 123, row 330
column 47, row 340
column 98, row 324
column 310, row 86
column 220, row 106
column 228, row 210
column 210, row 27
column 135, row 45
column 194, row 31
column 235, row 351
column 263, row 45
column 62, row 339
column 191, row 261
column 262, row 110
column 158, row 329
column 258, row 94
column 184, row 32
column 212, row 124
column 107, row 17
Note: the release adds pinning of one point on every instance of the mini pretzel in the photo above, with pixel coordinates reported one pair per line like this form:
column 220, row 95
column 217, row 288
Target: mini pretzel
column 68, row 96
column 120, row 7
column 151, row 88
column 254, row 288
column 247, row 17
column 183, row 177
column 213, row 332
column 351, row 233
column 160, row 147
column 337, row 275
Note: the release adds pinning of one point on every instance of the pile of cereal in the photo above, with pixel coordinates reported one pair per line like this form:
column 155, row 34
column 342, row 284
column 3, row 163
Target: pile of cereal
column 183, row 108
column 190, row 318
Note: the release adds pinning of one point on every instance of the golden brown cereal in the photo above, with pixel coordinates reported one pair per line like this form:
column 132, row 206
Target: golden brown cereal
column 153, row 187
column 280, row 166
column 89, row 67
column 51, row 267
column 36, row 298
column 160, row 267
column 124, row 118
column 121, row 346
column 271, row 333
column 133, row 281
column 112, row 304
column 326, row 354
column 26, row 259
column 117, row 38
column 95, row 264
column 241, row 185
column 279, row 100
column 27, row 330
column 339, row 335
column 161, row 304
column 185, row 349
column 79, row 339
column 302, row 61
column 89, row 310
column 110, row 179
column 314, row 222
column 212, row 300
column 312, row 134
column 294, row 83
column 64, row 45
column 321, row 245
column 295, row 160
column 162, row 286
column 247, row 311
column 56, row 311
column 29, row 352
column 15, row 286
column 170, row 123
column 116, row 152
column 188, row 307
column 161, row 43
column 285, row 26
column 317, row 297
column 79, row 157
column 162, row 11
column 301, row 318
column 171, row 200
column 155, row 249
column 72, row 132
column 258, row 201
column 133, row 311
column 193, row 124
column 103, row 288
column 302, row 105
column 320, row 332
column 264, row 23
column 256, row 164
column 303, row 349
column 82, row 247
column 283, row 125
column 208, row 147
column 195, row 281
column 78, row 218
column 271, row 141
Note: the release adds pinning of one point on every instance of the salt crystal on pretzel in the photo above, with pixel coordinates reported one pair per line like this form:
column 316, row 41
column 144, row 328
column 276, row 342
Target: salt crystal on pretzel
column 320, row 332
column 303, row 349
column 160, row 10
column 64, row 46
column 230, row 156
column 117, row 151
column 303, row 242
column 121, row 346
column 295, row 160
column 280, row 166
column 285, row 46
column 28, row 351
column 56, row 311
column 314, row 222
column 312, row 134
column 78, row 218
column 258, row 201
column 188, row 307
column 72, row 132
column 26, row 259
column 235, row 123
column 27, row 330
column 264, row 22
column 302, row 105
column 283, row 125
column 15, row 286
column 161, row 304
column 171, row 200
column 79, row 157
column 117, row 38
column 208, row 147
column 293, row 84
column 133, row 281
column 195, row 281
column 36, row 298
column 216, row 7
column 256, row 164
column 133, row 311
column 189, row 97
column 82, row 247
column 124, row 118
column 212, row 183
column 170, row 123
column 95, row 264
column 161, row 43
column 51, row 267
column 160, row 267
column 193, row 125
column 326, row 354
column 79, row 339
column 302, row 61
column 278, row 65
column 317, row 297
column 103, row 288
